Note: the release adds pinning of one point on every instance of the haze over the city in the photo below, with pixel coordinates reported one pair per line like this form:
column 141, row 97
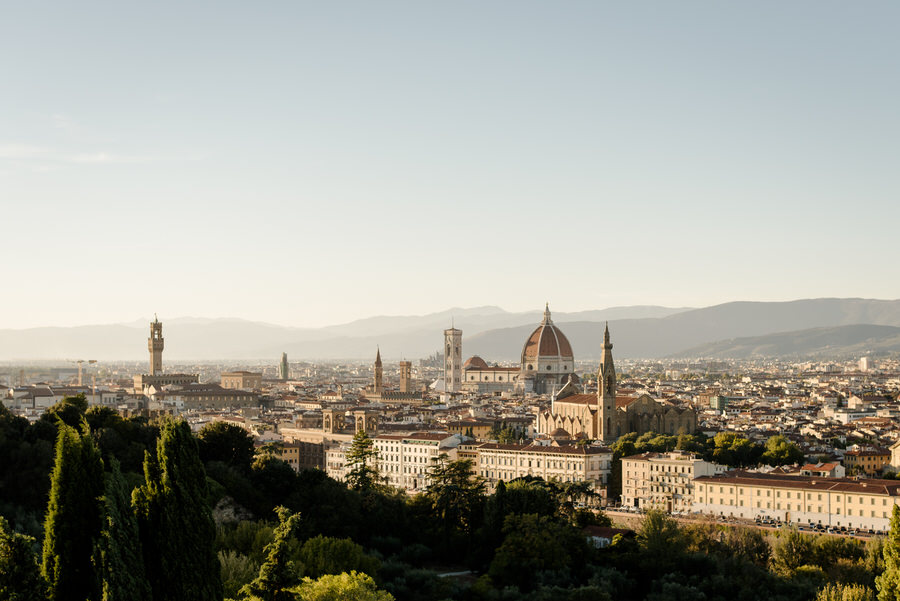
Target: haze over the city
column 310, row 164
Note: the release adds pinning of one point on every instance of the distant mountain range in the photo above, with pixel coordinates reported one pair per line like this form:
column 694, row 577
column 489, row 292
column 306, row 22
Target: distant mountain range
column 738, row 329
column 677, row 333
column 855, row 340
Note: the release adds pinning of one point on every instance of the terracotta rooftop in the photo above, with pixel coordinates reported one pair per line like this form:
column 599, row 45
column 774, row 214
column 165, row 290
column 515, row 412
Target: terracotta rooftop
column 550, row 450
column 547, row 341
column 868, row 486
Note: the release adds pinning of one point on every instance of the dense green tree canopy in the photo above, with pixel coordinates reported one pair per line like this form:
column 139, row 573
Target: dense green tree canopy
column 176, row 526
column 20, row 574
column 228, row 443
column 341, row 587
column 324, row 555
column 455, row 492
column 118, row 556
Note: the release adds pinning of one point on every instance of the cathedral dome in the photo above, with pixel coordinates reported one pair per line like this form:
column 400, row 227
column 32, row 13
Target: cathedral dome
column 475, row 362
column 546, row 342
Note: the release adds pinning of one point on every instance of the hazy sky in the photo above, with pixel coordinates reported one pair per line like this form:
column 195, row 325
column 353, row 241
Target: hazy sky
column 308, row 163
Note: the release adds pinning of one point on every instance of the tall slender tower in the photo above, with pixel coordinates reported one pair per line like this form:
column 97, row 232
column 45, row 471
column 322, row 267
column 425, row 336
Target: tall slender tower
column 406, row 377
column 285, row 370
column 452, row 359
column 379, row 373
column 606, row 390
column 155, row 344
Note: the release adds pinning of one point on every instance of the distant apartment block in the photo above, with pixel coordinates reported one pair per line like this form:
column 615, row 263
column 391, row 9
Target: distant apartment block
column 403, row 461
column 870, row 461
column 663, row 480
column 845, row 502
column 241, row 380
column 570, row 463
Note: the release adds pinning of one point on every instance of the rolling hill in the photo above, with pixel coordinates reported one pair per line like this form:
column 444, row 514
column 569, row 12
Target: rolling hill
column 495, row 334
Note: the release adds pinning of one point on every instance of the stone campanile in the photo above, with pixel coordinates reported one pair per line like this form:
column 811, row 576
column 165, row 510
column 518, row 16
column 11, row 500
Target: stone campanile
column 378, row 384
column 606, row 391
column 155, row 344
column 452, row 359
column 406, row 377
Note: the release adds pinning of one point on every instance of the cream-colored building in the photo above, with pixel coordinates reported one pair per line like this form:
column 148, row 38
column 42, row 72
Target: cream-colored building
column 865, row 504
column 302, row 455
column 198, row 396
column 336, row 461
column 894, row 466
column 571, row 463
column 403, row 459
column 870, row 461
column 478, row 376
column 663, row 480
column 241, row 380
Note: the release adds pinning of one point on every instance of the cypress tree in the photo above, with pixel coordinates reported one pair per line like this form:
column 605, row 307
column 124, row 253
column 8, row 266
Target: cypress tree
column 888, row 583
column 119, row 558
column 175, row 522
column 72, row 524
column 278, row 573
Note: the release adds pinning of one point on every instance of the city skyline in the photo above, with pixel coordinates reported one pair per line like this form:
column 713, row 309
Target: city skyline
column 311, row 165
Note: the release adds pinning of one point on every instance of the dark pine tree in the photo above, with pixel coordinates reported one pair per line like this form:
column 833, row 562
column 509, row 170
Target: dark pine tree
column 176, row 525
column 278, row 573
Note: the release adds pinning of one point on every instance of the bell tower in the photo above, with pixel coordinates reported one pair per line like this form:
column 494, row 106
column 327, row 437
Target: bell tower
column 606, row 391
column 379, row 374
column 406, row 377
column 452, row 359
column 155, row 344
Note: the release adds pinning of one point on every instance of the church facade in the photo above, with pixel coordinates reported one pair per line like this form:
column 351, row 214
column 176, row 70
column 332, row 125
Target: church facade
column 606, row 416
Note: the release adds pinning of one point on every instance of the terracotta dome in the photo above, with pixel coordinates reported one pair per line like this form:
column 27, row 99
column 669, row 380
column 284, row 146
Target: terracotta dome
column 475, row 362
column 546, row 342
